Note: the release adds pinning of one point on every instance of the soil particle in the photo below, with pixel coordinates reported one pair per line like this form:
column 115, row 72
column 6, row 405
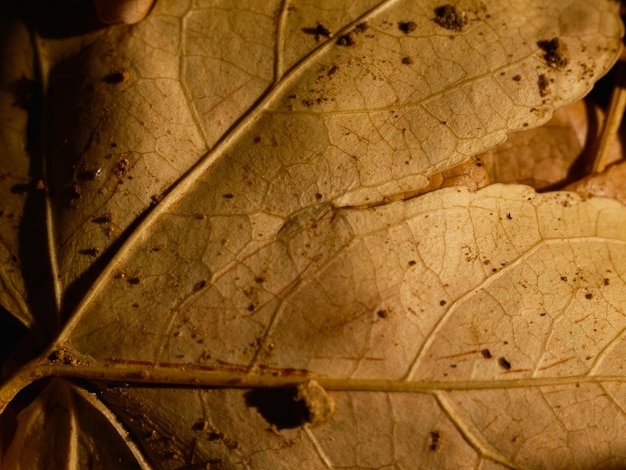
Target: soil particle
column 351, row 38
column 435, row 441
column 114, row 78
column 318, row 402
column 543, row 84
column 407, row 26
column 450, row 17
column 555, row 52
column 504, row 364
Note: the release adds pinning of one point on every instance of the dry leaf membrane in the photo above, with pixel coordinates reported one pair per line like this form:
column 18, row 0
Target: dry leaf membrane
column 222, row 215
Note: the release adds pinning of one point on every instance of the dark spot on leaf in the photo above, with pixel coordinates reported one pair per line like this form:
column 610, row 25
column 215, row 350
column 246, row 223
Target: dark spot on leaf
column 319, row 31
column 23, row 90
column 450, row 17
column 509, row 216
column 93, row 252
column 89, row 174
column 114, row 78
column 555, row 52
column 412, row 263
column 103, row 219
column 435, row 441
column 199, row 285
column 543, row 84
column 517, row 78
column 350, row 39
column 121, row 168
column 228, row 196
column 543, row 314
column 589, row 296
column 486, row 353
column 257, row 139
column 503, row 363
column 251, row 308
column 332, row 70
column 322, row 30
column 347, row 40
column 606, row 281
column 442, row 302
column 134, row 280
column 279, row 407
column 407, row 26
column 382, row 314
column 564, row 278
column 407, row 61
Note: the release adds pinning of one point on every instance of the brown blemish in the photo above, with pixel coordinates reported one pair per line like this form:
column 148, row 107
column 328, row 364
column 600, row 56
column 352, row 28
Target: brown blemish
column 555, row 52
column 351, row 38
column 589, row 296
column 121, row 168
column 517, row 78
column 486, row 353
column 504, row 364
column 93, row 252
column 543, row 84
column 407, row 61
column 382, row 314
column 22, row 90
column 199, row 285
column 320, row 31
column 450, row 17
column 435, row 441
column 114, row 78
column 407, row 26
column 106, row 218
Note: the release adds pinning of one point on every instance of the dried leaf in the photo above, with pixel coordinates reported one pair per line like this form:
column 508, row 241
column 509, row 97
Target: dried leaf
column 218, row 215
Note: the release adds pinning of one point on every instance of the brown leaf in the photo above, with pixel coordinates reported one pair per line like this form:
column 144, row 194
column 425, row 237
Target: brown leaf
column 217, row 210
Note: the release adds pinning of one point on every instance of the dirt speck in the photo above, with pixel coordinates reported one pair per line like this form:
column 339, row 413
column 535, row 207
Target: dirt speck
column 318, row 402
column 320, row 31
column 450, row 17
column 486, row 353
column 544, row 85
column 93, row 252
column 382, row 314
column 504, row 364
column 23, row 90
column 406, row 60
column 517, row 78
column 589, row 296
column 105, row 218
column 351, row 38
column 407, row 26
column 199, row 285
column 116, row 77
column 121, row 168
column 435, row 441
column 555, row 52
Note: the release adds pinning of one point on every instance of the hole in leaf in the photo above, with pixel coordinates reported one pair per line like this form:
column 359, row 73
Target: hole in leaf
column 279, row 406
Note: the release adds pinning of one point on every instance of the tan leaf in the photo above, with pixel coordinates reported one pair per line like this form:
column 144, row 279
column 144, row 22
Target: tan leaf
column 219, row 215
